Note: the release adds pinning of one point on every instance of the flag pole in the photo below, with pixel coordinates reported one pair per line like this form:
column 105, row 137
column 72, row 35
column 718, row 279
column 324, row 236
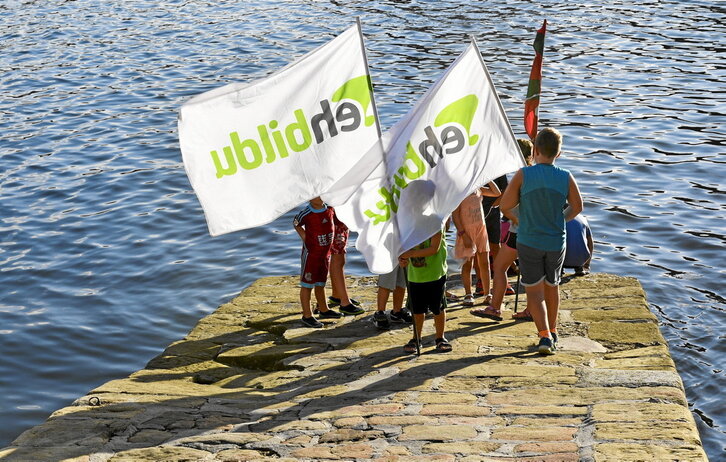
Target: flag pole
column 370, row 80
column 496, row 96
column 378, row 126
column 534, row 85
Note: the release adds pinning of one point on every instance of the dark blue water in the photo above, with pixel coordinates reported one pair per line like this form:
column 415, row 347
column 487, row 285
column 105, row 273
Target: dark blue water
column 104, row 253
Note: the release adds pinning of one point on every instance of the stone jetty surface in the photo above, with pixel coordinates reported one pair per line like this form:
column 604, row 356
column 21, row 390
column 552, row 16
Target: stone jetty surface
column 248, row 383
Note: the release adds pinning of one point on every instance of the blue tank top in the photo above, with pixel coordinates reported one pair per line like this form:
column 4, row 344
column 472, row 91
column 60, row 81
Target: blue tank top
column 542, row 198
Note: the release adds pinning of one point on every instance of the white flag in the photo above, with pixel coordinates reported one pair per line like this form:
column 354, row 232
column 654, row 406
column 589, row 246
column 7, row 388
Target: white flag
column 457, row 138
column 254, row 151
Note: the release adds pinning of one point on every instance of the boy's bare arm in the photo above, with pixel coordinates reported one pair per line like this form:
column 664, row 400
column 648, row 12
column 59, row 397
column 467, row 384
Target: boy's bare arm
column 427, row 252
column 574, row 200
column 491, row 190
column 510, row 198
column 300, row 231
column 456, row 216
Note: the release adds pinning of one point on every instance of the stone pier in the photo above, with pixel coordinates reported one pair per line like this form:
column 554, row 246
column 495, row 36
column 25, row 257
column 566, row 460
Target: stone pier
column 248, row 383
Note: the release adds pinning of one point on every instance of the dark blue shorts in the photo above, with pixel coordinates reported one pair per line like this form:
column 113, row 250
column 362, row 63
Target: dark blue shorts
column 539, row 265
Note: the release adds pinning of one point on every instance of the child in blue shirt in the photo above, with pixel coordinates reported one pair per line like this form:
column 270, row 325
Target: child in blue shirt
column 541, row 192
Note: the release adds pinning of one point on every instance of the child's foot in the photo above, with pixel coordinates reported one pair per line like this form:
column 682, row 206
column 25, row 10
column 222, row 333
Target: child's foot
column 468, row 300
column 545, row 346
column 336, row 301
column 489, row 312
column 328, row 314
column 412, row 346
column 522, row 316
column 352, row 310
column 443, row 345
column 401, row 316
column 311, row 322
column 381, row 320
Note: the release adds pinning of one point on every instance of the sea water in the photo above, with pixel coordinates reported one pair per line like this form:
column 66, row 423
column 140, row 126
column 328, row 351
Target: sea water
column 104, row 253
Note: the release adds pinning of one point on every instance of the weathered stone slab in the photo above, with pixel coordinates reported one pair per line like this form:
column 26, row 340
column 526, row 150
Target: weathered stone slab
column 635, row 333
column 617, row 452
column 628, row 378
column 154, row 454
column 652, row 431
column 437, row 433
column 466, row 447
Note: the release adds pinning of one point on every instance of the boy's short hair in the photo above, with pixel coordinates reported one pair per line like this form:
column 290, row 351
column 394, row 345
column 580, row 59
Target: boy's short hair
column 526, row 147
column 548, row 142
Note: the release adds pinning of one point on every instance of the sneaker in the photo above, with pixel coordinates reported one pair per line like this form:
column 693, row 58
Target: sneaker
column 312, row 322
column 401, row 316
column 336, row 301
column 329, row 314
column 509, row 290
column 381, row 320
column 554, row 340
column 479, row 290
column 352, row 310
column 545, row 346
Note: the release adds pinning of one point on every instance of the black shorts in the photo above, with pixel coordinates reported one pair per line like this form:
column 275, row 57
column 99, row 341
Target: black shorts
column 424, row 296
column 510, row 240
column 493, row 222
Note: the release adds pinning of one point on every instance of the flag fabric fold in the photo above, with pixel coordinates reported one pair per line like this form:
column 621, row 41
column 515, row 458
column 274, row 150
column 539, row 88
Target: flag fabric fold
column 255, row 151
column 531, row 103
column 454, row 140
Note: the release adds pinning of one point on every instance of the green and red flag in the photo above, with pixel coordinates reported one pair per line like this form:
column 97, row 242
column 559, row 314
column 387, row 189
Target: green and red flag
column 531, row 103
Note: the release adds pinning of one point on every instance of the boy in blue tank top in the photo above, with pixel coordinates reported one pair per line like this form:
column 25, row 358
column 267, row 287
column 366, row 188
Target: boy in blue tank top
column 541, row 191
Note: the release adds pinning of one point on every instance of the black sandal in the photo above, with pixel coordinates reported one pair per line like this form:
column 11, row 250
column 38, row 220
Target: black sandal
column 412, row 346
column 443, row 345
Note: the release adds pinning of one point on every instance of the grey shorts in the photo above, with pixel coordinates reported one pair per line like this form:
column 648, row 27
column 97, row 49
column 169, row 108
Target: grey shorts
column 537, row 265
column 396, row 278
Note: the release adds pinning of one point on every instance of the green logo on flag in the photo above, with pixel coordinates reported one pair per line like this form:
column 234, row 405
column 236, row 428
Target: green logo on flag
column 416, row 163
column 358, row 89
column 273, row 142
column 461, row 112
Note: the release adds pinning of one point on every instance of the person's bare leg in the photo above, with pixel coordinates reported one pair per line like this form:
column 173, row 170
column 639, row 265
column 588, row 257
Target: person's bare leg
column 320, row 298
column 484, row 274
column 475, row 266
column 398, row 296
column 305, row 293
column 382, row 298
column 466, row 275
column 536, row 306
column 552, row 304
column 494, row 248
column 418, row 320
column 502, row 262
column 337, row 278
column 440, row 324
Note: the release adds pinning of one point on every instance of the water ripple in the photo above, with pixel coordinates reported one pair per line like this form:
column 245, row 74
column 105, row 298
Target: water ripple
column 104, row 252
